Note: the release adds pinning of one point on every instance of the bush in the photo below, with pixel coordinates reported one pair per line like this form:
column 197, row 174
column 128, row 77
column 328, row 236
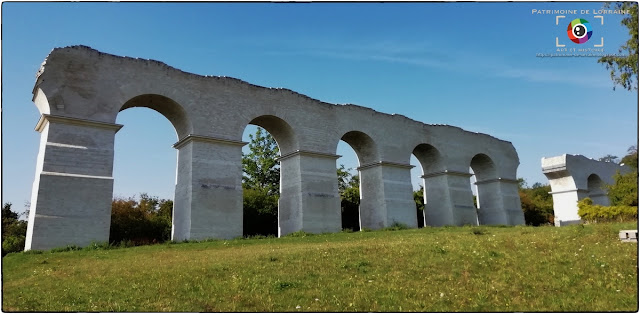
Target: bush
column 537, row 204
column 260, row 213
column 624, row 190
column 350, row 208
column 140, row 222
column 14, row 231
column 598, row 213
column 12, row 244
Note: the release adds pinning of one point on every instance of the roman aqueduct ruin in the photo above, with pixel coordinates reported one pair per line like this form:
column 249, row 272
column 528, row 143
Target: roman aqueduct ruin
column 80, row 91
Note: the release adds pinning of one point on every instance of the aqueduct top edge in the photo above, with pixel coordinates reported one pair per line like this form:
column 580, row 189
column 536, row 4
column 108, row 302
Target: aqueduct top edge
column 98, row 53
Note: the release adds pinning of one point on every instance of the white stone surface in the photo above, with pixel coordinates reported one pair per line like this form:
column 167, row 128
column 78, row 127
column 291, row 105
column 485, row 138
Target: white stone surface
column 81, row 91
column 574, row 177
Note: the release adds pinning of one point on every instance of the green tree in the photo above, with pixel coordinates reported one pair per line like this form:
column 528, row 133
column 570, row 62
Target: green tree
column 624, row 190
column 143, row 221
column 260, row 212
column 536, row 202
column 14, row 231
column 261, row 185
column 260, row 165
column 609, row 158
column 624, row 69
column 343, row 178
column 631, row 159
column 349, row 188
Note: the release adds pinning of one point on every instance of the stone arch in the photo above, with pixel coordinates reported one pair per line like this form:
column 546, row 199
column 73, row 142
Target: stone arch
column 41, row 101
column 574, row 177
column 365, row 147
column 290, row 217
column 488, row 187
column 281, row 131
column 177, row 116
column 429, row 157
column 483, row 167
column 370, row 211
column 431, row 162
column 167, row 107
column 287, row 142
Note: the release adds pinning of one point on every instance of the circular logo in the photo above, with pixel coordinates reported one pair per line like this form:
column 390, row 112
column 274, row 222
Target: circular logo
column 579, row 31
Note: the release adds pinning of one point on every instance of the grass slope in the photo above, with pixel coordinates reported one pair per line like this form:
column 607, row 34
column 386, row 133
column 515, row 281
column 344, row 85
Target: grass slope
column 476, row 269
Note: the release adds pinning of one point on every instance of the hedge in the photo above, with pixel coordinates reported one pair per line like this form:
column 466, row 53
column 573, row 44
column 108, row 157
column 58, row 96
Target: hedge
column 598, row 213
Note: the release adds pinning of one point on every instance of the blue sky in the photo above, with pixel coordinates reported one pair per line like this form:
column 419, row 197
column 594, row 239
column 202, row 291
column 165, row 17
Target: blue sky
column 471, row 65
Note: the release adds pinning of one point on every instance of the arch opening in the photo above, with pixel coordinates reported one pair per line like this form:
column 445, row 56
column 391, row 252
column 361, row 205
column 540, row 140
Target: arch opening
column 269, row 138
column 364, row 146
column 596, row 190
column 430, row 161
column 366, row 152
column 281, row 131
column 167, row 107
column 348, row 187
column 483, row 170
column 145, row 164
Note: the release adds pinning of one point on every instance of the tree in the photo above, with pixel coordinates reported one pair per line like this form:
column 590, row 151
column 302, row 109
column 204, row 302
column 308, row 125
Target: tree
column 609, row 158
column 624, row 190
column 536, row 202
column 624, row 69
column 260, row 213
column 343, row 178
column 631, row 159
column 260, row 165
column 14, row 231
column 349, row 188
column 261, row 185
column 143, row 221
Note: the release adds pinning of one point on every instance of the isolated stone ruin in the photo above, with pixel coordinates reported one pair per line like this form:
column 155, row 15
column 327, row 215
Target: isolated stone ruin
column 574, row 177
column 80, row 91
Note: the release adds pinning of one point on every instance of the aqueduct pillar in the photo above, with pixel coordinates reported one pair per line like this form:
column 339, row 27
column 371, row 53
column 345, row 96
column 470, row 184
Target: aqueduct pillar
column 309, row 198
column 72, row 191
column 448, row 198
column 499, row 202
column 208, row 197
column 387, row 196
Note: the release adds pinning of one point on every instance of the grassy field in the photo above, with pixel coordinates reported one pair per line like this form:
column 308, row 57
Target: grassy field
column 473, row 269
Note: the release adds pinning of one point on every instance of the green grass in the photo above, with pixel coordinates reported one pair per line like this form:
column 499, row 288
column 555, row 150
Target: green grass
column 471, row 269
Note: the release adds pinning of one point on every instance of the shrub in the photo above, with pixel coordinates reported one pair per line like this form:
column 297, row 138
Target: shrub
column 537, row 204
column 13, row 243
column 140, row 222
column 624, row 190
column 598, row 213
column 260, row 213
column 14, row 231
column 350, row 208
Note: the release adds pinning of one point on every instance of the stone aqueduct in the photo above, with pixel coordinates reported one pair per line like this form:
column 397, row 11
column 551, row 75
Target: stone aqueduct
column 575, row 177
column 80, row 91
